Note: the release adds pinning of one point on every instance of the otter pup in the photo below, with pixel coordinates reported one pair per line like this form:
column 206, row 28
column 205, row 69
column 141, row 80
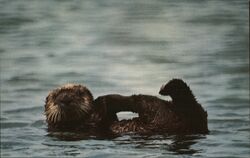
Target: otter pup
column 183, row 115
column 186, row 105
column 71, row 108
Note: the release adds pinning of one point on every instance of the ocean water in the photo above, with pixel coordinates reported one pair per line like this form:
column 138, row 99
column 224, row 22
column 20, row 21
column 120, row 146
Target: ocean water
column 126, row 47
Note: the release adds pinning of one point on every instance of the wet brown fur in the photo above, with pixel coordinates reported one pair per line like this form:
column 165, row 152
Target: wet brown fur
column 182, row 115
column 71, row 108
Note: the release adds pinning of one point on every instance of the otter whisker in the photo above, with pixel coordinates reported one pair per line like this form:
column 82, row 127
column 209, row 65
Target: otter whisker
column 52, row 117
column 85, row 108
column 56, row 116
column 49, row 115
column 63, row 114
column 79, row 113
column 83, row 111
column 59, row 115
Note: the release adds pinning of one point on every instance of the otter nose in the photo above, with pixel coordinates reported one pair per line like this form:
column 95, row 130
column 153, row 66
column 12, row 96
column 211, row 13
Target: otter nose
column 62, row 105
column 64, row 101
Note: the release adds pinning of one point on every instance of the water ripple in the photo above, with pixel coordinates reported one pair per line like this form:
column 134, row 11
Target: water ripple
column 124, row 47
column 6, row 125
column 23, row 110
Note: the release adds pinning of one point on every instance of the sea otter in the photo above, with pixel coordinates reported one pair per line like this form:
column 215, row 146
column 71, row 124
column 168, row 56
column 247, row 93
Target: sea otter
column 71, row 107
column 183, row 115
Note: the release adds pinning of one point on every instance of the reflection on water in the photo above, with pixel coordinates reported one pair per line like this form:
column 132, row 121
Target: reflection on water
column 175, row 144
column 125, row 47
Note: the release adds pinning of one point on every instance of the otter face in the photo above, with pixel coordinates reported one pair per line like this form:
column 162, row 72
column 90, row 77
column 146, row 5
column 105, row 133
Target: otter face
column 68, row 105
column 175, row 88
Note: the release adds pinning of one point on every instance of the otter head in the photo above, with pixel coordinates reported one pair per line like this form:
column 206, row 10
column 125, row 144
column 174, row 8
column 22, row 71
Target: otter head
column 177, row 89
column 186, row 103
column 68, row 106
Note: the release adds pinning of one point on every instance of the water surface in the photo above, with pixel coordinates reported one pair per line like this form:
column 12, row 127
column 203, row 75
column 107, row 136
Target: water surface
column 125, row 47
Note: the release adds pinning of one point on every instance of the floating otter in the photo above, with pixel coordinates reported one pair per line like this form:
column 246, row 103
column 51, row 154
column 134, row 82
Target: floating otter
column 71, row 107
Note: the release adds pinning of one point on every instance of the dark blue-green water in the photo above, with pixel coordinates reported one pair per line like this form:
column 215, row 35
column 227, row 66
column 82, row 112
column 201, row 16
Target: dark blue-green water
column 126, row 47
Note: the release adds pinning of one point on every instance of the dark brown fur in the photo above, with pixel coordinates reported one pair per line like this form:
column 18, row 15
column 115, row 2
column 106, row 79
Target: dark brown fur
column 183, row 115
column 71, row 108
